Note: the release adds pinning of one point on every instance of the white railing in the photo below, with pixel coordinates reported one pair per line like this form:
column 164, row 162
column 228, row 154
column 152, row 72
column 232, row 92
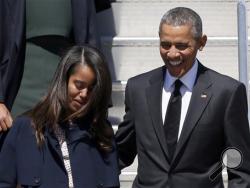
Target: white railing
column 243, row 43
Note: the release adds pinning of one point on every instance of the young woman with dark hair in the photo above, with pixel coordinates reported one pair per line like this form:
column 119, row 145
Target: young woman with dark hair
column 65, row 140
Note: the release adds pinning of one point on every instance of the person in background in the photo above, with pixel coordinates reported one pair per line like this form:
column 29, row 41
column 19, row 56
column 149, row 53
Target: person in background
column 33, row 35
column 180, row 118
column 65, row 140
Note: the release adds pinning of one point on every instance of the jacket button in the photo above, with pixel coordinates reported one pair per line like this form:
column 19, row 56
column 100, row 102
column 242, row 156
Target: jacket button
column 37, row 180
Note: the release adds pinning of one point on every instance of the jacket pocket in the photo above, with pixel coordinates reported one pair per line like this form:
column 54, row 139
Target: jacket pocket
column 29, row 182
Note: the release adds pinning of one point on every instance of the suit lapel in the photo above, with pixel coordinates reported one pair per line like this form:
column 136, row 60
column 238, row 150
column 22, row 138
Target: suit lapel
column 154, row 96
column 201, row 96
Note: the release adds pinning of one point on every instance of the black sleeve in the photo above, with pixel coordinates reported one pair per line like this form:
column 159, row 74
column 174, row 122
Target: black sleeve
column 125, row 135
column 237, row 135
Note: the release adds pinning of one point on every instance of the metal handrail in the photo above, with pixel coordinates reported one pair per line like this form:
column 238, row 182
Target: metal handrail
column 243, row 43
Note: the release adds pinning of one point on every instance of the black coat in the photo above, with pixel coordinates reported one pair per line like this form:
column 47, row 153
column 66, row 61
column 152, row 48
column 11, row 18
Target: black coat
column 23, row 162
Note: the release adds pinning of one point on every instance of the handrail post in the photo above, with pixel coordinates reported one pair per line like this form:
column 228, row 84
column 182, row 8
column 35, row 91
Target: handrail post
column 243, row 44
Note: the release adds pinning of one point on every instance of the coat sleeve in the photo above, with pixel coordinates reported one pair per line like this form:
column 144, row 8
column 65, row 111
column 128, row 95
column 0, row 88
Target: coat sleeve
column 126, row 136
column 84, row 23
column 236, row 127
column 8, row 159
column 12, row 49
column 2, row 47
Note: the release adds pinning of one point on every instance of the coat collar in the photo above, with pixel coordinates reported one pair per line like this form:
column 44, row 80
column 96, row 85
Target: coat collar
column 78, row 132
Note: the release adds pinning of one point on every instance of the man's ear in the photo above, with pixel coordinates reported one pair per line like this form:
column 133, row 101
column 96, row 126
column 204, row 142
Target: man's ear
column 203, row 42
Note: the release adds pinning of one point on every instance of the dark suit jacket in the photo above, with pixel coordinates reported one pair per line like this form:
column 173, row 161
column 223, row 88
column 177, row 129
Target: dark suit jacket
column 13, row 40
column 216, row 119
column 22, row 162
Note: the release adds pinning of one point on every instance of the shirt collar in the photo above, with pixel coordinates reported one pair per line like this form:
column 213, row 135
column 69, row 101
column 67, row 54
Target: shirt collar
column 187, row 79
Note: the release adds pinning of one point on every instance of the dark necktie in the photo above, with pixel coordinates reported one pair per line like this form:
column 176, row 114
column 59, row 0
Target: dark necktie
column 172, row 119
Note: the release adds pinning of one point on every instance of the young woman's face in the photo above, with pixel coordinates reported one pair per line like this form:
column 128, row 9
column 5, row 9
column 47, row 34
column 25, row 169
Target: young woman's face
column 80, row 86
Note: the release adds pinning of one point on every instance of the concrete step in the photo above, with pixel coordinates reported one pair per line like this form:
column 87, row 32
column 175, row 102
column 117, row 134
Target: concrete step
column 141, row 18
column 117, row 111
column 129, row 56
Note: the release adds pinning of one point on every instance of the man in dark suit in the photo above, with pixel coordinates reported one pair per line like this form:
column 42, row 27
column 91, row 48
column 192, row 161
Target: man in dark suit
column 181, row 117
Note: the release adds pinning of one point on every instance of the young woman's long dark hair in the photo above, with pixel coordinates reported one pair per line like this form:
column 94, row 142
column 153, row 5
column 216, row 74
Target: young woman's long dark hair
column 53, row 107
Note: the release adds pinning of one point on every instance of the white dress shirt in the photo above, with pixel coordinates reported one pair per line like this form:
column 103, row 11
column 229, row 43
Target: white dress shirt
column 186, row 89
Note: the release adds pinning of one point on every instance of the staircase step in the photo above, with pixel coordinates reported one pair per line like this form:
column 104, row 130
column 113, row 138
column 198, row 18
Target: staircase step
column 138, row 18
column 128, row 57
column 117, row 111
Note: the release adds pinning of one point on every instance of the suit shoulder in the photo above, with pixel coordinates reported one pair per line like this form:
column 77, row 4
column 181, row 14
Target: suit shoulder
column 220, row 79
column 225, row 84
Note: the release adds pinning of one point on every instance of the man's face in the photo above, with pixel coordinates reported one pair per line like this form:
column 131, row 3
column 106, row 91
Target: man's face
column 178, row 48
